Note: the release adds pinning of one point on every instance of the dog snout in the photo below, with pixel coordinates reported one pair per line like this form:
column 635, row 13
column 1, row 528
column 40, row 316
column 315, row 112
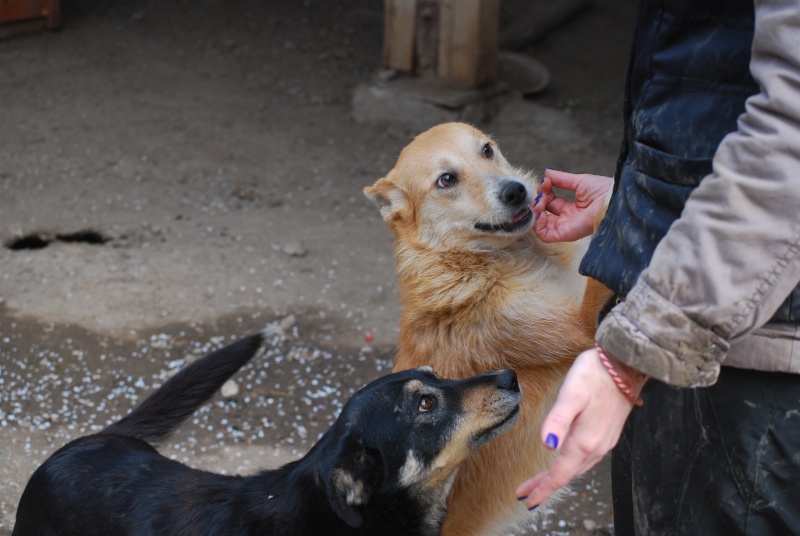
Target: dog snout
column 507, row 379
column 513, row 193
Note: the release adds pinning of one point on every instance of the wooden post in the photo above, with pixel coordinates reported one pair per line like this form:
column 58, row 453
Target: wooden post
column 398, row 40
column 468, row 41
column 454, row 41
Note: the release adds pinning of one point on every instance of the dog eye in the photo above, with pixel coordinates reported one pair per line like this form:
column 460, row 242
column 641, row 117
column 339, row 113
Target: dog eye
column 488, row 152
column 446, row 180
column 425, row 403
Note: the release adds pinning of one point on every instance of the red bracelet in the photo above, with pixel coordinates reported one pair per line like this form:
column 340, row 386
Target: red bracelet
column 623, row 386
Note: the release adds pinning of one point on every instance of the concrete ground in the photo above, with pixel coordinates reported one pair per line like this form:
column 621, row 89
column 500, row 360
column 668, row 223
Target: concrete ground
column 176, row 174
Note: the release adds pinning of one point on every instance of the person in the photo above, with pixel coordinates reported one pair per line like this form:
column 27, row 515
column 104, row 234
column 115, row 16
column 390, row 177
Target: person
column 701, row 247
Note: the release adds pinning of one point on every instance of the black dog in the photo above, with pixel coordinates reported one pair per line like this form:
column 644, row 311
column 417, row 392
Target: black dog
column 385, row 466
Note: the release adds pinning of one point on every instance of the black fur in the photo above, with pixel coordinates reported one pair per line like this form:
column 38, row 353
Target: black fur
column 354, row 481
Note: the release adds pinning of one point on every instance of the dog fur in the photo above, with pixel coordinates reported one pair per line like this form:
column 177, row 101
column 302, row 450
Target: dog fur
column 385, row 466
column 479, row 291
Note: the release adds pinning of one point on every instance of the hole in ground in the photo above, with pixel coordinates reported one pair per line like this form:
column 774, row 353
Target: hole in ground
column 32, row 241
column 41, row 241
column 83, row 237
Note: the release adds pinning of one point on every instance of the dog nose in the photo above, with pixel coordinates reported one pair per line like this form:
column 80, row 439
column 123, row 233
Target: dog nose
column 507, row 379
column 513, row 193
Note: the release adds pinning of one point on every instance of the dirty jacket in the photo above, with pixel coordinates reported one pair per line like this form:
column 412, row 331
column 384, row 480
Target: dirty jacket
column 702, row 235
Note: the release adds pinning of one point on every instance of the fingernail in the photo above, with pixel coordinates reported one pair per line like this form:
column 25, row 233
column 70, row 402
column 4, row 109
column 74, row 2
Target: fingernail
column 532, row 508
column 538, row 198
column 522, row 498
column 551, row 441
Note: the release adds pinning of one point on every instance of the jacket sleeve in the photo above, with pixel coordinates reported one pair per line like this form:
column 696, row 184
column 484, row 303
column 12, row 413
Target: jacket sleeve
column 731, row 259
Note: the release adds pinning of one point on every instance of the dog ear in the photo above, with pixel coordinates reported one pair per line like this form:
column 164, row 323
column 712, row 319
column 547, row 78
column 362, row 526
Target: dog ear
column 356, row 473
column 389, row 198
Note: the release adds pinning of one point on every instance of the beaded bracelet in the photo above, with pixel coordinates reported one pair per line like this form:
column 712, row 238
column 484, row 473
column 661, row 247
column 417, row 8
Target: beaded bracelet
column 623, row 385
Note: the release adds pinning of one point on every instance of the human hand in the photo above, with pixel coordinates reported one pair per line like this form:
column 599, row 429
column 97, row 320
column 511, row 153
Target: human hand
column 587, row 418
column 559, row 220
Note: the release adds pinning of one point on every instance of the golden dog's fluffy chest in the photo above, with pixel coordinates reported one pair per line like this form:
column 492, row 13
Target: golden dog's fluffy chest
column 494, row 309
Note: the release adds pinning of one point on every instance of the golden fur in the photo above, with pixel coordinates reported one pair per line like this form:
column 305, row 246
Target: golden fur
column 475, row 300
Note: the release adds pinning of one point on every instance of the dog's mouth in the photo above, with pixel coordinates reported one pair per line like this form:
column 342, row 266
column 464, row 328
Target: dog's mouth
column 490, row 433
column 518, row 221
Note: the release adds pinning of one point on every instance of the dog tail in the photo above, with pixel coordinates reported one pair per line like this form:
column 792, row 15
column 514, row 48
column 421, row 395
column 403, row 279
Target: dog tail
column 182, row 394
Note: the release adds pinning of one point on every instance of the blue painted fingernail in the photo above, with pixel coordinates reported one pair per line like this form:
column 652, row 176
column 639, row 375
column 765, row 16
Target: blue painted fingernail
column 532, row 508
column 551, row 441
column 538, row 198
column 522, row 498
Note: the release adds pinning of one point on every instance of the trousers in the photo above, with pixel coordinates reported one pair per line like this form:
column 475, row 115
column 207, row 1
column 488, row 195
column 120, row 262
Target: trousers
column 720, row 460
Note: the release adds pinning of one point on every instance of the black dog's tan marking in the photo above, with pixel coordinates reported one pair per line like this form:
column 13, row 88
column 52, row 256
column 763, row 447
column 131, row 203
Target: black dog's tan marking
column 385, row 467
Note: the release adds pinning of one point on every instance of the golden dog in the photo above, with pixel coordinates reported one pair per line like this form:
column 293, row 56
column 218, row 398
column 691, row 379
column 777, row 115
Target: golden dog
column 479, row 291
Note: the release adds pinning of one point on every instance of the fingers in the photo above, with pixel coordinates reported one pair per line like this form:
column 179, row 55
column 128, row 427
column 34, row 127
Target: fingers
column 547, row 200
column 566, row 468
column 563, row 227
column 544, row 195
column 524, row 490
column 572, row 181
column 546, row 228
column 554, row 205
column 563, row 180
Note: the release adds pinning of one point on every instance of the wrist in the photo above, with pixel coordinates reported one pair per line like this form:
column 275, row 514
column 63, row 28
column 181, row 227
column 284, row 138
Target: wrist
column 627, row 379
column 634, row 377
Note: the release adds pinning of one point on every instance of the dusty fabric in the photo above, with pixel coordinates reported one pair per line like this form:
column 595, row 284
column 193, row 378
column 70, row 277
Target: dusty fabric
column 705, row 260
column 715, row 461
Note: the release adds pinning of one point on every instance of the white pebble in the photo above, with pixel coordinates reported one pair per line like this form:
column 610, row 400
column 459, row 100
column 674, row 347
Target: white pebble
column 229, row 389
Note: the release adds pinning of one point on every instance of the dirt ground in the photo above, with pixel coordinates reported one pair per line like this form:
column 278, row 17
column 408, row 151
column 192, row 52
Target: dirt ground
column 176, row 174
